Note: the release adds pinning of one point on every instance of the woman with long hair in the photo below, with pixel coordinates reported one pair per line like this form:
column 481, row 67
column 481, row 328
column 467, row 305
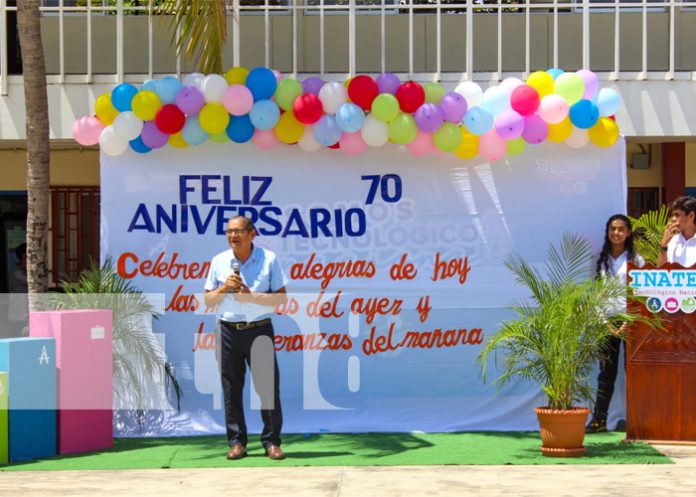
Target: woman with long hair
column 616, row 253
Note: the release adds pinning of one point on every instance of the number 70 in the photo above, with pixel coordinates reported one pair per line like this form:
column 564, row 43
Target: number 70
column 389, row 187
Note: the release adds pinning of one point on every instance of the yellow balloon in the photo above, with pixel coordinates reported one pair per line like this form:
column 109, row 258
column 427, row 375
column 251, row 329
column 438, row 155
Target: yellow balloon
column 213, row 118
column 237, row 75
column 177, row 140
column 104, row 109
column 542, row 82
column 146, row 104
column 560, row 132
column 289, row 129
column 604, row 133
column 469, row 146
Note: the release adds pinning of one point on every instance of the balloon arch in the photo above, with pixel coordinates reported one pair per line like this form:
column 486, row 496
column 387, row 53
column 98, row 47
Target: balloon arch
column 268, row 109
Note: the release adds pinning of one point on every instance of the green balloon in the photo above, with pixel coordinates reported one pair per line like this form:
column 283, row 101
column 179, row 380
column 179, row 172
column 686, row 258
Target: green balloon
column 403, row 129
column 385, row 107
column 219, row 137
column 433, row 93
column 448, row 137
column 286, row 93
column 570, row 86
column 516, row 146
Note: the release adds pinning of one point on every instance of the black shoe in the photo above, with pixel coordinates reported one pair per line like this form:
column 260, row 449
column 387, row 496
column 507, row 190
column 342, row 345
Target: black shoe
column 596, row 426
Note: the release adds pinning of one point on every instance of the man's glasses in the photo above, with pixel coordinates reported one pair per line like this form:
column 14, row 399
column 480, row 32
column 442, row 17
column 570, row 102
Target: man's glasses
column 237, row 231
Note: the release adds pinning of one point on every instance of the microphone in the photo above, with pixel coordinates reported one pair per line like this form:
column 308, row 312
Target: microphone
column 235, row 268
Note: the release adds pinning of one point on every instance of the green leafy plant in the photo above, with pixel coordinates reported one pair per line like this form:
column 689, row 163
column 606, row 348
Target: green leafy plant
column 137, row 354
column 556, row 338
column 648, row 230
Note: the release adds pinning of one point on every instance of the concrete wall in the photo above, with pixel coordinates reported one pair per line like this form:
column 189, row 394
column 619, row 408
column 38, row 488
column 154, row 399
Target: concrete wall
column 68, row 168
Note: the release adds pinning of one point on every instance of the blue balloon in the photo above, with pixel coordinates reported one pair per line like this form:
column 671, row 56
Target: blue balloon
column 150, row 85
column 139, row 145
column 608, row 102
column 495, row 100
column 192, row 132
column 167, row 88
column 262, row 83
column 584, row 114
column 350, row 118
column 326, row 131
column 478, row 121
column 240, row 129
column 555, row 72
column 264, row 114
column 122, row 96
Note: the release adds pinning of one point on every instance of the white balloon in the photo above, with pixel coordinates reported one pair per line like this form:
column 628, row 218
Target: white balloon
column 471, row 92
column 308, row 143
column 578, row 138
column 332, row 96
column 496, row 100
column 213, row 88
column 509, row 84
column 110, row 143
column 374, row 132
column 127, row 125
column 553, row 109
column 194, row 79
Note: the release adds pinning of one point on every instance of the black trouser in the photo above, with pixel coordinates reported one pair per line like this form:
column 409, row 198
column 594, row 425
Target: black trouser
column 608, row 369
column 239, row 348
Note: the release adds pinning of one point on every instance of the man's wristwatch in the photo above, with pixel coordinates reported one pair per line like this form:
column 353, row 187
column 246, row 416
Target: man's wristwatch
column 663, row 248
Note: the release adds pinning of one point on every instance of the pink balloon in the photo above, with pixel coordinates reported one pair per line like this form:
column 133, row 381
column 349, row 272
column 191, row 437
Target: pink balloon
column 491, row 146
column 525, row 100
column 553, row 109
column 591, row 83
column 278, row 75
column 535, row 130
column 238, row 100
column 265, row 139
column 86, row 130
column 352, row 143
column 509, row 125
column 422, row 145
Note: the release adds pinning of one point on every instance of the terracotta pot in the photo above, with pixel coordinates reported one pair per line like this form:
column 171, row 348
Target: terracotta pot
column 562, row 432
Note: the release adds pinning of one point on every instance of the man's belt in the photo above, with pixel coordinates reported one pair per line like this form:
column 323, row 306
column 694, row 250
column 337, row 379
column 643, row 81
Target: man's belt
column 243, row 325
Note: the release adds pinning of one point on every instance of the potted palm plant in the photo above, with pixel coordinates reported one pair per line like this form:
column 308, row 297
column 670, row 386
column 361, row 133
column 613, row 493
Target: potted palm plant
column 555, row 339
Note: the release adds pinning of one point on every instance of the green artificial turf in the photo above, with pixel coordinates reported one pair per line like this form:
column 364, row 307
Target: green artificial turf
column 367, row 449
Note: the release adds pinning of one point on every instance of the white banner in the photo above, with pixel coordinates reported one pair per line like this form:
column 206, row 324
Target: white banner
column 395, row 263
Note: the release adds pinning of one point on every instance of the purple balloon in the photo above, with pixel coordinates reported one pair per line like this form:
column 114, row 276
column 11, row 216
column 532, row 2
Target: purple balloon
column 388, row 83
column 591, row 83
column 428, row 118
column 535, row 130
column 453, row 107
column 152, row 136
column 312, row 85
column 190, row 100
column 509, row 125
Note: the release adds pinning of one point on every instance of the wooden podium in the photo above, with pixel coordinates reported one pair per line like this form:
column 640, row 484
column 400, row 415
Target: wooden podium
column 661, row 369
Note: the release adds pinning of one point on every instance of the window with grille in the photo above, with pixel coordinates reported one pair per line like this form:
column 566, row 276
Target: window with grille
column 74, row 231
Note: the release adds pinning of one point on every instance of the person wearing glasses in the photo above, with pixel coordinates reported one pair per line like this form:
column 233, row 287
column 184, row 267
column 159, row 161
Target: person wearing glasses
column 243, row 285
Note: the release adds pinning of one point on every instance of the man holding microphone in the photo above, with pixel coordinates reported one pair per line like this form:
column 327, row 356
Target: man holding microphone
column 244, row 284
column 678, row 242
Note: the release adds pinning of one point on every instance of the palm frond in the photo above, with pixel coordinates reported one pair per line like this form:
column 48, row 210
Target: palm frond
column 199, row 30
column 557, row 340
column 648, row 230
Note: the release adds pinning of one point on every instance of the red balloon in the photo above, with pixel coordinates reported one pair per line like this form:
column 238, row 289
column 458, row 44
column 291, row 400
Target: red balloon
column 307, row 108
column 169, row 119
column 335, row 145
column 410, row 96
column 613, row 118
column 362, row 90
column 524, row 100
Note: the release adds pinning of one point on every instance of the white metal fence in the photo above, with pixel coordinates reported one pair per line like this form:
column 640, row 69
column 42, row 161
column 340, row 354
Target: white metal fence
column 631, row 30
